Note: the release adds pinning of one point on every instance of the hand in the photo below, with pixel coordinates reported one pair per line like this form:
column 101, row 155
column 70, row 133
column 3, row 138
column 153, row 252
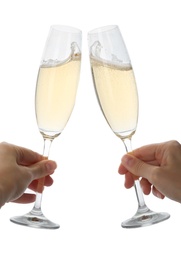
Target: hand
column 159, row 165
column 20, row 168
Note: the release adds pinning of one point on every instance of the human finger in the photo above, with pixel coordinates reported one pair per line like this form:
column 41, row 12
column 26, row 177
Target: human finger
column 42, row 169
column 25, row 156
column 157, row 193
column 48, row 181
column 146, row 186
column 147, row 153
column 129, row 180
column 137, row 167
column 122, row 170
column 25, row 198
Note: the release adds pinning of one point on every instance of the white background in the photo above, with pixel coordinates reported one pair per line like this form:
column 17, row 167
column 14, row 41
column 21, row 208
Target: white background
column 88, row 198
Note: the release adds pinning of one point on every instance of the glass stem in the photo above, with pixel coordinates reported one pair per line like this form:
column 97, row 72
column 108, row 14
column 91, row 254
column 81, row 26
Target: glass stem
column 138, row 190
column 40, row 186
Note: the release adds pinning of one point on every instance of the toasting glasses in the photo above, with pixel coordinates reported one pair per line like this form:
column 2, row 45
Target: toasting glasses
column 56, row 88
column 117, row 95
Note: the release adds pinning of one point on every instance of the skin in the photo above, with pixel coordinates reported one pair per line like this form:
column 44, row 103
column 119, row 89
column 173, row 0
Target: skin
column 20, row 168
column 158, row 166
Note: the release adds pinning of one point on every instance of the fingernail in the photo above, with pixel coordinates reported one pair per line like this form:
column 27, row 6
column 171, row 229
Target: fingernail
column 127, row 160
column 50, row 166
column 159, row 195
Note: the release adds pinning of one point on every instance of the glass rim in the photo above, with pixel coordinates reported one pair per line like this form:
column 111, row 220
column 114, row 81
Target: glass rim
column 65, row 28
column 103, row 29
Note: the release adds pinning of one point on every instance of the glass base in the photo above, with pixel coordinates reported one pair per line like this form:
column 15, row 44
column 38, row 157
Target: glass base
column 145, row 219
column 35, row 221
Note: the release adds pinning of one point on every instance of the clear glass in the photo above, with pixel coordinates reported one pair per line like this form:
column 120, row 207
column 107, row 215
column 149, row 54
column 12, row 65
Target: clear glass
column 116, row 91
column 56, row 88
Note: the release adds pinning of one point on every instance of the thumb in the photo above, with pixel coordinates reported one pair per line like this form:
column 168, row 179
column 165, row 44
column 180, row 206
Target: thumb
column 136, row 166
column 42, row 168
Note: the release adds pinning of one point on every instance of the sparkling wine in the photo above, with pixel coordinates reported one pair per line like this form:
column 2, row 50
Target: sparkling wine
column 55, row 95
column 117, row 95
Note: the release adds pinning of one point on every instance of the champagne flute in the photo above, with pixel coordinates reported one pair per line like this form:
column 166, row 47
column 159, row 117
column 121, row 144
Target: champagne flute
column 116, row 91
column 56, row 88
